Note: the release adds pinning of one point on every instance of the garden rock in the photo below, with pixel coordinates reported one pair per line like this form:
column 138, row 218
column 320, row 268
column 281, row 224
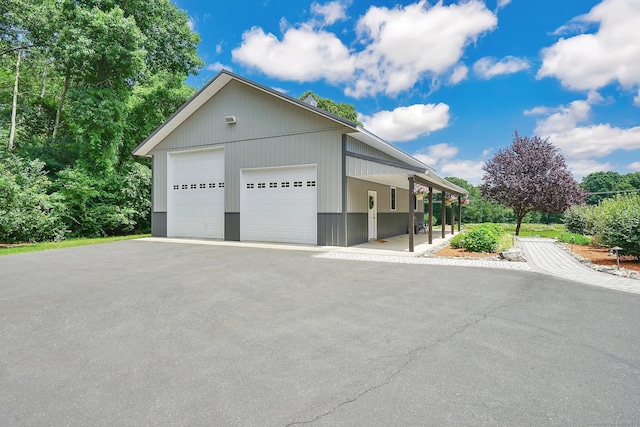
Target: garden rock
column 513, row 254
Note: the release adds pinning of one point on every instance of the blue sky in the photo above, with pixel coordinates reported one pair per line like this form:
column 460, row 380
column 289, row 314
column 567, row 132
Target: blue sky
column 448, row 82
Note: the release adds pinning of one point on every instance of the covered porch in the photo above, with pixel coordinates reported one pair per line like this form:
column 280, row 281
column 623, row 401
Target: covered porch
column 421, row 186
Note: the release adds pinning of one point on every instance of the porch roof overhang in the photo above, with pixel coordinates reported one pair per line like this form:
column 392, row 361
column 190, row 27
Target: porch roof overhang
column 397, row 175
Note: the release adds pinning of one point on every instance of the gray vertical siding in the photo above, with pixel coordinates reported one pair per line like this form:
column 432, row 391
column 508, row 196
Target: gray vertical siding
column 392, row 224
column 357, row 228
column 357, row 147
column 232, row 226
column 159, row 224
column 159, row 184
column 269, row 132
column 331, row 229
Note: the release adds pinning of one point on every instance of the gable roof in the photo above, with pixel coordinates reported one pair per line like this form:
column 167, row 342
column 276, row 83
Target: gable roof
column 224, row 77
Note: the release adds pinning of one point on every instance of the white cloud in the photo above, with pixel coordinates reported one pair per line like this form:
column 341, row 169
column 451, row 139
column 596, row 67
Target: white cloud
column 218, row 66
column 636, row 100
column 219, row 48
column 407, row 123
column 592, row 61
column 442, row 158
column 191, row 24
column 635, row 167
column 459, row 74
column 435, row 153
column 405, row 44
column 489, row 67
column 584, row 167
column 330, row 12
column 304, row 54
column 470, row 170
column 503, row 3
column 581, row 142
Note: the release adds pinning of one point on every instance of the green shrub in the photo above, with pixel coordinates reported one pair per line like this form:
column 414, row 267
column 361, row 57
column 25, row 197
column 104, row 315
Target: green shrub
column 27, row 212
column 113, row 203
column 456, row 241
column 577, row 239
column 617, row 221
column 579, row 219
column 483, row 238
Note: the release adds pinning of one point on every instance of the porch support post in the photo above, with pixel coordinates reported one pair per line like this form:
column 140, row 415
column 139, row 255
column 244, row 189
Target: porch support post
column 411, row 218
column 453, row 222
column 444, row 214
column 459, row 212
column 430, row 215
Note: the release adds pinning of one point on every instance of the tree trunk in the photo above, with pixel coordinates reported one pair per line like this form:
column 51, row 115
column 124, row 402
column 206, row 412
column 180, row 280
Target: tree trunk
column 44, row 79
column 14, row 108
column 518, row 224
column 56, row 125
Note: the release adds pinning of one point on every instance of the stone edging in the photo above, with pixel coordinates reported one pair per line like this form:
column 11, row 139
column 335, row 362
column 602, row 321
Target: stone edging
column 623, row 272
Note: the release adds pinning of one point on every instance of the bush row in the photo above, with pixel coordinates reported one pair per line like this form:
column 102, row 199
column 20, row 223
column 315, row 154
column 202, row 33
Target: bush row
column 613, row 222
column 77, row 203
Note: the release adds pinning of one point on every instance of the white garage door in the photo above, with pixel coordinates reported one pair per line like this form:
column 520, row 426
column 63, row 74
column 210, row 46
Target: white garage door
column 279, row 205
column 196, row 194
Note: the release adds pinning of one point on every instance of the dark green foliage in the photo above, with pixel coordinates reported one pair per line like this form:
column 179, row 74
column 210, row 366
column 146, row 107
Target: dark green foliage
column 617, row 222
column 107, row 204
column 608, row 184
column 96, row 77
column 578, row 219
column 340, row 109
column 483, row 238
column 27, row 212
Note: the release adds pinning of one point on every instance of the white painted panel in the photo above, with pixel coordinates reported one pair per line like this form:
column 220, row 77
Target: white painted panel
column 279, row 205
column 196, row 194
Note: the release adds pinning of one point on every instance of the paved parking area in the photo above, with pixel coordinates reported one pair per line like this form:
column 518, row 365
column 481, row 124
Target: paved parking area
column 139, row 333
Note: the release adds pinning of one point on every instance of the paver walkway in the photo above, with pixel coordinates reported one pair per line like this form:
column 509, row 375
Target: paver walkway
column 544, row 256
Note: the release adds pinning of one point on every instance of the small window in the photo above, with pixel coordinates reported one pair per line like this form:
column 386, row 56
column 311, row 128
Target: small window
column 261, row 185
column 297, row 183
column 311, row 183
column 249, row 185
column 185, row 186
column 203, row 185
column 176, row 187
column 273, row 185
column 212, row 185
column 284, row 184
column 221, row 185
column 194, row 186
column 393, row 198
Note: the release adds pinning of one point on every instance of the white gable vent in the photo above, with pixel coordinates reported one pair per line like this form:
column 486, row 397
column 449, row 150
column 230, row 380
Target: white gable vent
column 230, row 119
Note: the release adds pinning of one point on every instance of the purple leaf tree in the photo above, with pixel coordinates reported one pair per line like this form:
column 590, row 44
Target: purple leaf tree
column 530, row 175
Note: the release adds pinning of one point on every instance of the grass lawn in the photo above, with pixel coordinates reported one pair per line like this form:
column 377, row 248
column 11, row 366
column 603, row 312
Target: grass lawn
column 552, row 231
column 34, row 247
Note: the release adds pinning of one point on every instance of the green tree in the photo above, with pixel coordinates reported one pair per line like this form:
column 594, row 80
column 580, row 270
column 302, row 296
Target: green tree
column 604, row 183
column 340, row 109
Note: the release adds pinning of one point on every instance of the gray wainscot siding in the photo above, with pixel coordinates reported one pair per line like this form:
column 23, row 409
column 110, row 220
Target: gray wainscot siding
column 358, row 231
column 392, row 224
column 159, row 224
column 232, row 226
column 331, row 229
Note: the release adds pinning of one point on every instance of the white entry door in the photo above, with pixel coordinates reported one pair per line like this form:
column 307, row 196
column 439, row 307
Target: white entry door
column 373, row 214
column 196, row 194
column 279, row 205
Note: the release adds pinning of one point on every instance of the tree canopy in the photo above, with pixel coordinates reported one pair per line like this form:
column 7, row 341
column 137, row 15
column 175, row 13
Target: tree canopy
column 82, row 82
column 608, row 184
column 530, row 175
column 340, row 109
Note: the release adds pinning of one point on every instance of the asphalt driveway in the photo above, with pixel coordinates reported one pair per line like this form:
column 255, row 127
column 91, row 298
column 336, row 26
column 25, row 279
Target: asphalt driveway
column 141, row 333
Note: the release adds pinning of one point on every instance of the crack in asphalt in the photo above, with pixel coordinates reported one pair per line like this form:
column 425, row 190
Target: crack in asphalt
column 411, row 356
